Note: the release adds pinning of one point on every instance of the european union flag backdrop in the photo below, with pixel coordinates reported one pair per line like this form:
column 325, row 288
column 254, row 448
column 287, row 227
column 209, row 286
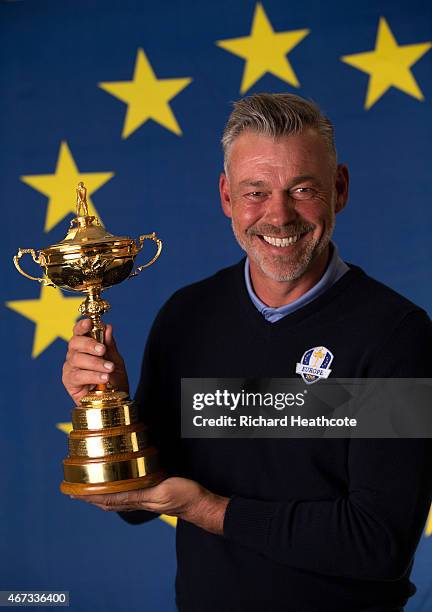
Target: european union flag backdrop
column 131, row 97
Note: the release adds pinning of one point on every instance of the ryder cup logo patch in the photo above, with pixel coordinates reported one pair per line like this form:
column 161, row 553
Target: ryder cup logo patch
column 315, row 364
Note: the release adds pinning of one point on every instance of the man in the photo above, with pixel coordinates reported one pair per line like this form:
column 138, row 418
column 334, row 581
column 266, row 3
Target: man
column 278, row 524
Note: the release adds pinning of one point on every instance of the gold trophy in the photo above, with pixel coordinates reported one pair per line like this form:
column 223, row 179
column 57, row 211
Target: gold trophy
column 108, row 446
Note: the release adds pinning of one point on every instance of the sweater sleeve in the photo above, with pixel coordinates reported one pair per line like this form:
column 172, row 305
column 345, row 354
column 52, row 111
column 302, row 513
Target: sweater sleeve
column 373, row 529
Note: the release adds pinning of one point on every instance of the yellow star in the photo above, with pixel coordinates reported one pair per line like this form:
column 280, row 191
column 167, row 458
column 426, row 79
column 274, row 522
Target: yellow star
column 264, row 50
column 65, row 427
column 53, row 314
column 388, row 65
column 60, row 186
column 428, row 529
column 147, row 97
column 171, row 520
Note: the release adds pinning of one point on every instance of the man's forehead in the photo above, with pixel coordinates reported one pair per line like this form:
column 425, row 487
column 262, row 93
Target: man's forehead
column 250, row 138
column 252, row 181
column 259, row 149
column 256, row 157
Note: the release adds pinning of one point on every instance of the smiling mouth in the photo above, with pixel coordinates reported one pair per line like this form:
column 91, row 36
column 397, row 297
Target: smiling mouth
column 282, row 242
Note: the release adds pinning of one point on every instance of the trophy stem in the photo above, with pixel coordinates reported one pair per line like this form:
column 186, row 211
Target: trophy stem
column 94, row 307
column 98, row 329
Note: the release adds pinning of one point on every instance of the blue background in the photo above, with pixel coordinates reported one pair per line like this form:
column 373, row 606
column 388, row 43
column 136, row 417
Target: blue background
column 53, row 56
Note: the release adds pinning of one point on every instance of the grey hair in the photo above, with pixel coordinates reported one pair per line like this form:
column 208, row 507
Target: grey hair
column 274, row 115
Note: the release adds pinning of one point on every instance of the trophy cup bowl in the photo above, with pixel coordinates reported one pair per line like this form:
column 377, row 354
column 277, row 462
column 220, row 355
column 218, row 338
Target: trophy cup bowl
column 109, row 447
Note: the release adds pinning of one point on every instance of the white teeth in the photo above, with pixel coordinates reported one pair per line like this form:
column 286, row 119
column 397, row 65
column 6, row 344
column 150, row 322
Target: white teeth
column 281, row 242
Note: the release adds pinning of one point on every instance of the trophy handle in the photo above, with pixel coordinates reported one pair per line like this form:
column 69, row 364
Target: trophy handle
column 37, row 260
column 153, row 237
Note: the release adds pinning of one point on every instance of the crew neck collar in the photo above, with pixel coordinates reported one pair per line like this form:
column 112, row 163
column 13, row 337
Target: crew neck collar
column 335, row 269
column 318, row 305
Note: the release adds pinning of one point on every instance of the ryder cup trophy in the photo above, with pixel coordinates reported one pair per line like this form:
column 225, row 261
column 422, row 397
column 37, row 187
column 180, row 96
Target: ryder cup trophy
column 108, row 445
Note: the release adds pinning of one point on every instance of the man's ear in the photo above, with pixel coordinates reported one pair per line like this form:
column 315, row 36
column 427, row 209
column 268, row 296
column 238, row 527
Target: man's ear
column 342, row 187
column 225, row 195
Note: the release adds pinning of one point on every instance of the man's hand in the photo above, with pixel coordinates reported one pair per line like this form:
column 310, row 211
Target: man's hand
column 179, row 497
column 89, row 363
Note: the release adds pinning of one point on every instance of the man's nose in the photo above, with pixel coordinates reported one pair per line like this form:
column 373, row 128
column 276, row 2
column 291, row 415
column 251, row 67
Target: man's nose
column 280, row 209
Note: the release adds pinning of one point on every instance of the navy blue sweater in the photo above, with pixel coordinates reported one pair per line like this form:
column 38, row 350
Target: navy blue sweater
column 312, row 524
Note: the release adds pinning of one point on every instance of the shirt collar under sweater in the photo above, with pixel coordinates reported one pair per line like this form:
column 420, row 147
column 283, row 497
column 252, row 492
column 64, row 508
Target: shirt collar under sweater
column 334, row 271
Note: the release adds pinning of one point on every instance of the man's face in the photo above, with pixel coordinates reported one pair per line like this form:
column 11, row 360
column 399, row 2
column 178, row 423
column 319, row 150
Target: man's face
column 282, row 196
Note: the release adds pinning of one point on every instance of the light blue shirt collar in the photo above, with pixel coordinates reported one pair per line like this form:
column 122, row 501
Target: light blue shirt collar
column 334, row 271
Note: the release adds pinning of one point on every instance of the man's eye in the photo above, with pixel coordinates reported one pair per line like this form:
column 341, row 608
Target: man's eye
column 255, row 194
column 302, row 193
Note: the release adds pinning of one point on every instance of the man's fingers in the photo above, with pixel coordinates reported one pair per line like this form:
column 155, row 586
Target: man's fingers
column 83, row 361
column 102, row 506
column 83, row 326
column 113, row 502
column 119, row 502
column 106, row 498
column 84, row 344
column 114, row 508
column 78, row 378
column 89, row 363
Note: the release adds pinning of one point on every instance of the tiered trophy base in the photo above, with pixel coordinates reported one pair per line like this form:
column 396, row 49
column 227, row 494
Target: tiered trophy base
column 150, row 480
column 108, row 448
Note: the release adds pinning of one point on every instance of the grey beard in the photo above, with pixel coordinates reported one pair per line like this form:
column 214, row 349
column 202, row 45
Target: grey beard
column 268, row 264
